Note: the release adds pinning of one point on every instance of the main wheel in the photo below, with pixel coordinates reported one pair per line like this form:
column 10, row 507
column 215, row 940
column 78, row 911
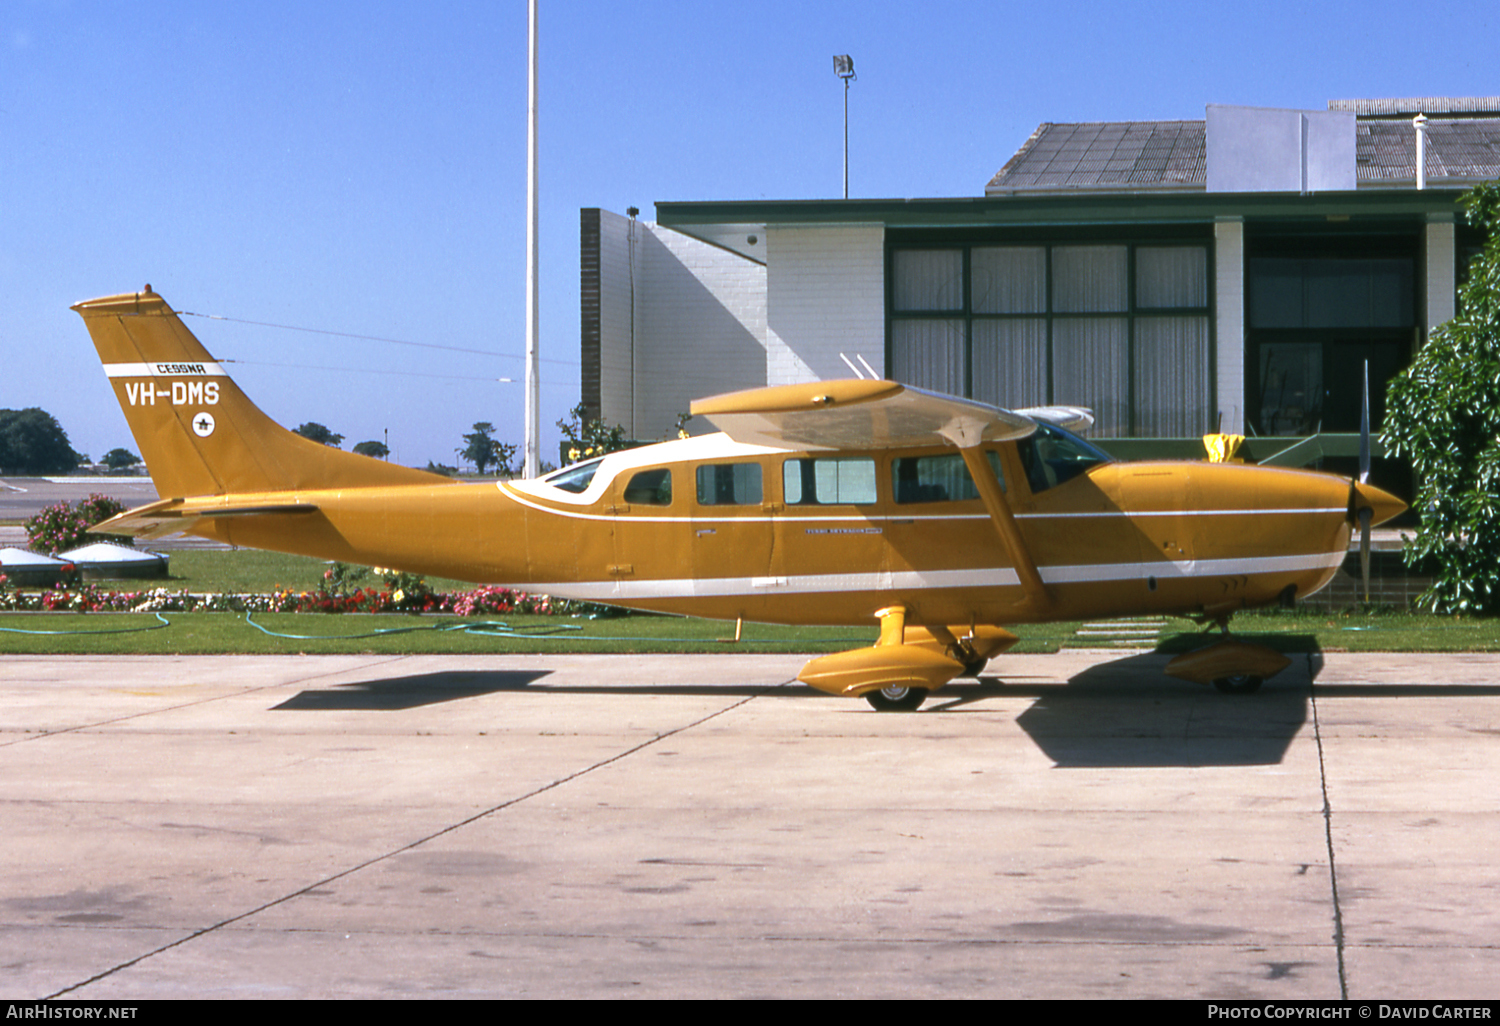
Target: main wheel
column 974, row 667
column 1239, row 684
column 896, row 698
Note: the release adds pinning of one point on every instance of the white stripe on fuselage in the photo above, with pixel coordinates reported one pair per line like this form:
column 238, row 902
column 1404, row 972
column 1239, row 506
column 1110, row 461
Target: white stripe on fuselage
column 913, row 580
column 814, row 517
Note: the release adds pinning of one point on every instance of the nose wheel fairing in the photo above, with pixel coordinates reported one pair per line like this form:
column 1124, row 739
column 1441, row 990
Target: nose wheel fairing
column 1234, row 667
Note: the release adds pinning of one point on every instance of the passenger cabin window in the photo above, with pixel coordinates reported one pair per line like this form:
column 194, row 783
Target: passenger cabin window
column 824, row 482
column 1052, row 456
column 943, row 478
column 650, row 488
column 575, row 478
column 729, row 484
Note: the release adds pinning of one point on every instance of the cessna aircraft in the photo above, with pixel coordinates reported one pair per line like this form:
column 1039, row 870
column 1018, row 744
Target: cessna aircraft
column 831, row 502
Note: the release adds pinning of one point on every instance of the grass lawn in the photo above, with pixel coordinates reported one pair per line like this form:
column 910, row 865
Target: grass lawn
column 248, row 571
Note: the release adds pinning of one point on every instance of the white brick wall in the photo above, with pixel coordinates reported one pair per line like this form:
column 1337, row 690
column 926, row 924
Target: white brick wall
column 703, row 316
column 1229, row 297
column 699, row 325
column 825, row 295
column 615, row 372
column 709, row 321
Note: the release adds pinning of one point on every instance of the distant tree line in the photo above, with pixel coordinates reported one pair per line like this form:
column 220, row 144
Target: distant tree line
column 32, row 442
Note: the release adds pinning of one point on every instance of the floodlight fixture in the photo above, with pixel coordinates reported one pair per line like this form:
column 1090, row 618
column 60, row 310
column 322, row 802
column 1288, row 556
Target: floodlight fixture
column 843, row 67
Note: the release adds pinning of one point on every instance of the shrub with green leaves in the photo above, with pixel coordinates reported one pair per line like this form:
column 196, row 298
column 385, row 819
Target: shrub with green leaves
column 1443, row 414
column 64, row 526
column 583, row 439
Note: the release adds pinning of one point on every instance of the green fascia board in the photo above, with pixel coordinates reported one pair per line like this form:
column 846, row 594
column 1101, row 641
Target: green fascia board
column 1052, row 209
column 1267, row 451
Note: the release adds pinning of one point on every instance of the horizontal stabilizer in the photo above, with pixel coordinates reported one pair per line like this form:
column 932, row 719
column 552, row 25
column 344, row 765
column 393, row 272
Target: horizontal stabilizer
column 172, row 516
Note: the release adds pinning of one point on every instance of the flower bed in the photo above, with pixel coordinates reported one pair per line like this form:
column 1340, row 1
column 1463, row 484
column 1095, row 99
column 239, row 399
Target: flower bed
column 479, row 602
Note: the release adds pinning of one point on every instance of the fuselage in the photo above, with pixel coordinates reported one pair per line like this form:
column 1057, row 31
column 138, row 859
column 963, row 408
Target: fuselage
column 712, row 527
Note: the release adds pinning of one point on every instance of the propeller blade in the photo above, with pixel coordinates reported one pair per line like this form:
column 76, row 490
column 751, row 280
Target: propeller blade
column 1365, row 516
column 1364, row 434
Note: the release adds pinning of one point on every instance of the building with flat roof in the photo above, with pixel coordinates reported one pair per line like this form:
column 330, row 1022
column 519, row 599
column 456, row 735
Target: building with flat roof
column 1177, row 277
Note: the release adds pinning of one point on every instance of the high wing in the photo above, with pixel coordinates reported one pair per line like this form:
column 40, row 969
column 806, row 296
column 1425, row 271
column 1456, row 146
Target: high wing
column 857, row 414
column 1070, row 418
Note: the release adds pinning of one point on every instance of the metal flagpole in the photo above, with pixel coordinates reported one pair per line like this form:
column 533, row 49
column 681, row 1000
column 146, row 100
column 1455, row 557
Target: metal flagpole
column 532, row 464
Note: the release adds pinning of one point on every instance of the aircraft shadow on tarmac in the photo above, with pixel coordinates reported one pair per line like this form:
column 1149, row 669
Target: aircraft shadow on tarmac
column 411, row 692
column 1129, row 713
column 1122, row 713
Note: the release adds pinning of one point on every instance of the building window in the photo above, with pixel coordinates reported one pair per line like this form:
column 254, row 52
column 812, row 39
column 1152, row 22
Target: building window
column 1121, row 328
column 1317, row 312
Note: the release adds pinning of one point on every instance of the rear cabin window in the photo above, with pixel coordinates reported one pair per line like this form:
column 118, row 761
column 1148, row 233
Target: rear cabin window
column 729, row 484
column 824, row 482
column 650, row 488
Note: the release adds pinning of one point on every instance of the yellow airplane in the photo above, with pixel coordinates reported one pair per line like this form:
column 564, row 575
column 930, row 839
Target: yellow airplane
column 831, row 502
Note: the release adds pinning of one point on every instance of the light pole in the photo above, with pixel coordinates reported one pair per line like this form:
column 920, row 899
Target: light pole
column 843, row 67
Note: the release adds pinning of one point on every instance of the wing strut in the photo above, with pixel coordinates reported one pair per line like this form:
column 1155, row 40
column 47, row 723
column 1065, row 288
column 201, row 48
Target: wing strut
column 1005, row 526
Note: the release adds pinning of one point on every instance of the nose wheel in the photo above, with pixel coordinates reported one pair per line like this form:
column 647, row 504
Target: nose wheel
column 1239, row 684
column 896, row 698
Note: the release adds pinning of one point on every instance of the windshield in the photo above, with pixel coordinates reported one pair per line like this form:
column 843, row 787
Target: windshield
column 575, row 478
column 1052, row 456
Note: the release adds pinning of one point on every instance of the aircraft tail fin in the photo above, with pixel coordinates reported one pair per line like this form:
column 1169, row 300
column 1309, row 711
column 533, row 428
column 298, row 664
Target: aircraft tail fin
column 198, row 433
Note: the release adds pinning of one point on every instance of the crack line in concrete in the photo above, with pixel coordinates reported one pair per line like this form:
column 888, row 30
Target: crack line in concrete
column 1333, row 875
column 417, row 843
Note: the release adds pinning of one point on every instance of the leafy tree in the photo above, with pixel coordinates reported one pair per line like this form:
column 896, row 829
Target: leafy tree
column 585, row 439
column 33, row 442
column 1443, row 414
column 375, row 449
column 441, row 468
column 320, row 434
column 119, row 459
column 481, row 449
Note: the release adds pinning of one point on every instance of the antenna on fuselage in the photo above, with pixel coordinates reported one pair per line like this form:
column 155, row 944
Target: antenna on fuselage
column 850, row 364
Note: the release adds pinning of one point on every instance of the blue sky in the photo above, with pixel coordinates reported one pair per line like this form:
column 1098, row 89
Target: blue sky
column 361, row 168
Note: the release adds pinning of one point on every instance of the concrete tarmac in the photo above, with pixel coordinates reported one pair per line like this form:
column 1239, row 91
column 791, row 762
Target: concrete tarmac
column 699, row 826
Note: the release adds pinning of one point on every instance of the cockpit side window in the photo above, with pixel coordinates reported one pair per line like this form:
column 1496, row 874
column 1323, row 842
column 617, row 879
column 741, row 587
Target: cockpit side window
column 1052, row 456
column 576, row 478
column 932, row 479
